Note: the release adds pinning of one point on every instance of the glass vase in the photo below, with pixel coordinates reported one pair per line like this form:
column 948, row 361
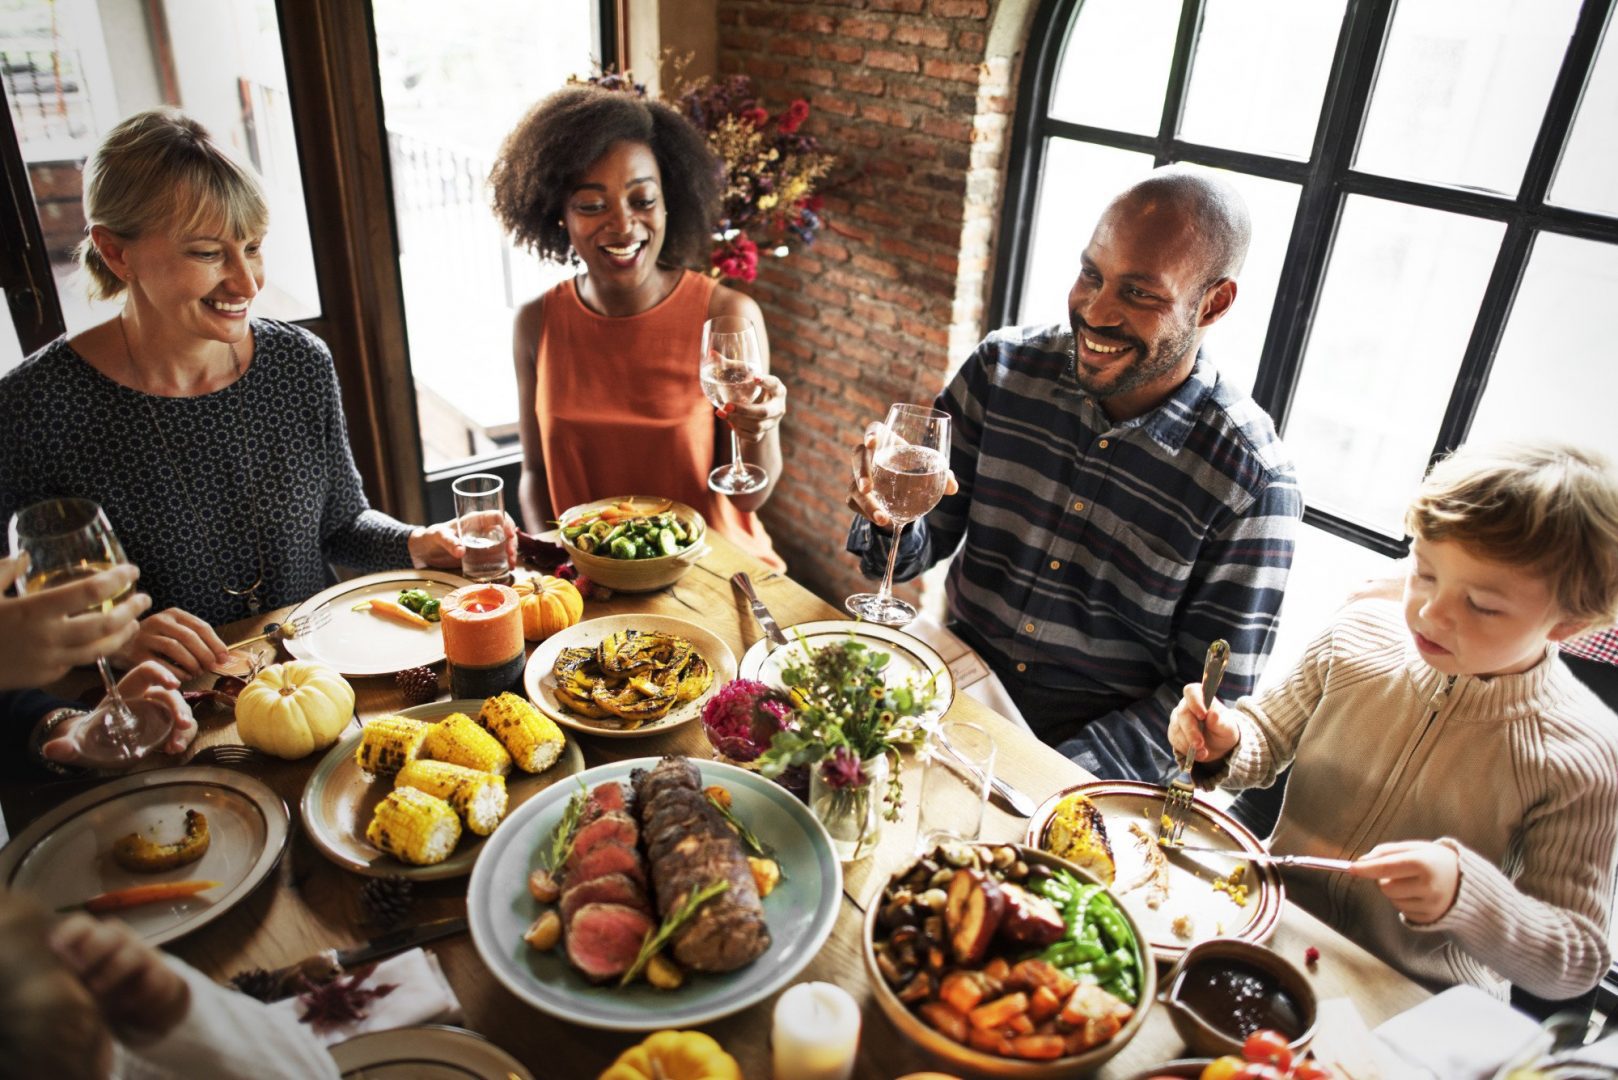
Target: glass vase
column 852, row 815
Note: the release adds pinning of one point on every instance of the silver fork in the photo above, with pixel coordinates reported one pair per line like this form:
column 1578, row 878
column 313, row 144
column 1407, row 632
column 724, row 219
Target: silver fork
column 1179, row 791
column 302, row 626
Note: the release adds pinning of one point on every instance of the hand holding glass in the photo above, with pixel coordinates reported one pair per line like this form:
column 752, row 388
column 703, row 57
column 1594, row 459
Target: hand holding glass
column 66, row 540
column 731, row 367
column 909, row 469
column 480, row 521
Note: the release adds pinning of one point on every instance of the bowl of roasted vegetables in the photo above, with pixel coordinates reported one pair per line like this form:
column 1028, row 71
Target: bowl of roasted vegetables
column 633, row 543
column 1007, row 961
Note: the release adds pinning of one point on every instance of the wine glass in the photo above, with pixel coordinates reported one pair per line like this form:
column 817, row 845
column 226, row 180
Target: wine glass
column 69, row 539
column 908, row 471
column 731, row 366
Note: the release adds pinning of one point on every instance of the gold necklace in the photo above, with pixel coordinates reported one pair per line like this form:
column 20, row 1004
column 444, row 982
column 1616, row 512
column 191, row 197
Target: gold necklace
column 250, row 592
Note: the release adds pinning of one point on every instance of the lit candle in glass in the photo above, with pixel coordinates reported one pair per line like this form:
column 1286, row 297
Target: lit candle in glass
column 816, row 1033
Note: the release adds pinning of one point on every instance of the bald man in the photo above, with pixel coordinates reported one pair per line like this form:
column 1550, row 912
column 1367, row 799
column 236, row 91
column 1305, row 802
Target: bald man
column 1115, row 504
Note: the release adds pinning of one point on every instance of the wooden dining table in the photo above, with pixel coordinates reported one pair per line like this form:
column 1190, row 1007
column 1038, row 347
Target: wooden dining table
column 308, row 903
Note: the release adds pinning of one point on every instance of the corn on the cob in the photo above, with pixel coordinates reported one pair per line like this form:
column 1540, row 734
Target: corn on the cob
column 414, row 827
column 534, row 740
column 1078, row 834
column 458, row 739
column 479, row 797
column 389, row 744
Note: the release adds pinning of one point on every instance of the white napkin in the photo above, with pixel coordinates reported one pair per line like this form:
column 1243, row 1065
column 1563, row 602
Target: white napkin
column 1460, row 1034
column 421, row 995
column 972, row 674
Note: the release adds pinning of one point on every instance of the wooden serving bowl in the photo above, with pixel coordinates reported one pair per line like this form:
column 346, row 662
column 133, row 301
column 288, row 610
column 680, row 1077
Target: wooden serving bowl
column 1199, row 1032
column 958, row 1057
column 637, row 575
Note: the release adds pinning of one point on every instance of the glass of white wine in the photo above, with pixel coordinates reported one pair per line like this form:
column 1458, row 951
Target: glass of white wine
column 731, row 366
column 69, row 539
column 909, row 469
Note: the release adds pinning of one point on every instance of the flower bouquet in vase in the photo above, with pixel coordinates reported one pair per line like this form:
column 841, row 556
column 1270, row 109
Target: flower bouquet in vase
column 847, row 727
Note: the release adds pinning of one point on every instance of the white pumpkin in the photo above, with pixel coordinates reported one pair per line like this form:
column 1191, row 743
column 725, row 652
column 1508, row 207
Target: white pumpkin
column 293, row 709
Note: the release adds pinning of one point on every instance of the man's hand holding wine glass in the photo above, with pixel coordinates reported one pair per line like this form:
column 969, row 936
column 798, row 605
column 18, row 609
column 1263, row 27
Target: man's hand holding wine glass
column 863, row 498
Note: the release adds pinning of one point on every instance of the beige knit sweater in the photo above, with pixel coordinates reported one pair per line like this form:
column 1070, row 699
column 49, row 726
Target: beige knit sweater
column 1518, row 773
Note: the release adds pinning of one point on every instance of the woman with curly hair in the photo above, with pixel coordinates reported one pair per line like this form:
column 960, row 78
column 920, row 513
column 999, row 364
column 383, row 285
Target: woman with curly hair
column 607, row 362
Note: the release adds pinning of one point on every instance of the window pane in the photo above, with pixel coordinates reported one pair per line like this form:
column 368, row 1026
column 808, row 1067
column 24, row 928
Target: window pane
column 1463, row 88
column 1115, row 64
column 1237, row 341
column 1584, row 179
column 1547, row 381
column 1077, row 182
column 1401, row 294
column 451, row 91
column 74, row 68
column 1259, row 74
column 10, row 347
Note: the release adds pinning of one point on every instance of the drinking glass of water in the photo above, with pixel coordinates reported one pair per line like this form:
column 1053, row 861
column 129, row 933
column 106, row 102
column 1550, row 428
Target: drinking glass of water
column 908, row 471
column 69, row 539
column 480, row 519
column 731, row 367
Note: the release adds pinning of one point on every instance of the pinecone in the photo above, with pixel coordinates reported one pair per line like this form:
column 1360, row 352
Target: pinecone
column 387, row 900
column 258, row 983
column 420, row 684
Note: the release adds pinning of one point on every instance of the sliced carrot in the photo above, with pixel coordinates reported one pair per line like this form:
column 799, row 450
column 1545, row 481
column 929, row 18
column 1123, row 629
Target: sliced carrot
column 1044, row 1003
column 962, row 990
column 136, row 895
column 999, row 1011
column 392, row 609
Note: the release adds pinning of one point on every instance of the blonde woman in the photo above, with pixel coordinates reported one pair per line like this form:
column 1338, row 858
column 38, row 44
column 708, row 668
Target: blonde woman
column 214, row 440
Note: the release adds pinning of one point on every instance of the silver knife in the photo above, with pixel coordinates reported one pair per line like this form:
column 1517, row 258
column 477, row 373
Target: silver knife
column 1297, row 862
column 330, row 963
column 760, row 612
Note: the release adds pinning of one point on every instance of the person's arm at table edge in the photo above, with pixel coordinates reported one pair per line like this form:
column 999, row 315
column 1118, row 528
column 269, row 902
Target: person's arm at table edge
column 22, row 712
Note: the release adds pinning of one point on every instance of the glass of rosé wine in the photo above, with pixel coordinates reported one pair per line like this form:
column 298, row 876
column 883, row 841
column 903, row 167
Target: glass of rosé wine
column 908, row 471
column 732, row 364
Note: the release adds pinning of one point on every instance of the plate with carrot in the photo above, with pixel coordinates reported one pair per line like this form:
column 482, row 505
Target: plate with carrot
column 166, row 851
column 376, row 624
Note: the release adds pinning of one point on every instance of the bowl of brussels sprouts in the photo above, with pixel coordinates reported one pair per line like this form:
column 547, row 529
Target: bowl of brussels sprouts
column 633, row 543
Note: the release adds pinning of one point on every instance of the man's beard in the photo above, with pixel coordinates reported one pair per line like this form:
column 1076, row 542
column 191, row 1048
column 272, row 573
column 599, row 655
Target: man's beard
column 1147, row 365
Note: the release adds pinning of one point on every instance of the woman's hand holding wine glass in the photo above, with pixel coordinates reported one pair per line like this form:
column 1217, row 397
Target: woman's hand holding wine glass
column 732, row 370
column 150, row 684
column 900, row 473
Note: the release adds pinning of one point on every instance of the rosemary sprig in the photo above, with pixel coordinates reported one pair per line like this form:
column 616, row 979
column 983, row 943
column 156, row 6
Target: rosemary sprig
column 754, row 844
column 566, row 830
column 655, row 940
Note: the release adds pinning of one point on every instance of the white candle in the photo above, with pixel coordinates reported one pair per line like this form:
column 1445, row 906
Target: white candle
column 816, row 1033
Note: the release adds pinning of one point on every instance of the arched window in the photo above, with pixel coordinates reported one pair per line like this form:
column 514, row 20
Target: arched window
column 1434, row 190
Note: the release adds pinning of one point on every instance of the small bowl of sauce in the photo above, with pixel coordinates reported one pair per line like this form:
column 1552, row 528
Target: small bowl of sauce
column 1223, row 990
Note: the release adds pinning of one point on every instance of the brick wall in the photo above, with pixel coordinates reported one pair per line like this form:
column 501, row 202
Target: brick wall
column 890, row 299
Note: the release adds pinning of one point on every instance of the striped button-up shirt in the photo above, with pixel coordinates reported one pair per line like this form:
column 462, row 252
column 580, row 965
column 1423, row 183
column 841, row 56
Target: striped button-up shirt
column 1096, row 559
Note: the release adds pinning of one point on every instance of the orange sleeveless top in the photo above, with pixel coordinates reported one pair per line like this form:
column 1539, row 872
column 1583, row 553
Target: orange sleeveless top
column 621, row 410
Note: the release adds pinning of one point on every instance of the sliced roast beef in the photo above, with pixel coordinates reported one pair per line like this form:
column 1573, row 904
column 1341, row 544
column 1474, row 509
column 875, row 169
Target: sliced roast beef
column 690, row 846
column 605, row 798
column 615, row 826
column 606, row 857
column 604, row 939
column 607, row 889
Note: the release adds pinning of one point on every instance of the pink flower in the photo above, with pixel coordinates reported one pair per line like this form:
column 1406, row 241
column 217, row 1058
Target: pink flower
column 794, row 117
column 743, row 717
column 737, row 258
column 842, row 769
column 756, row 116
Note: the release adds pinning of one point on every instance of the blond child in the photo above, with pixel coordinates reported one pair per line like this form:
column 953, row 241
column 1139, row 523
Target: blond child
column 1445, row 747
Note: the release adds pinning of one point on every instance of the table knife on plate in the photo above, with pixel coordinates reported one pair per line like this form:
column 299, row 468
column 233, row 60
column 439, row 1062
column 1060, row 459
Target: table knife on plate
column 1297, row 862
column 760, row 612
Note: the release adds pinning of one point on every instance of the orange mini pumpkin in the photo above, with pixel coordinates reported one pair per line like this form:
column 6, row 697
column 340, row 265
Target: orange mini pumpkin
column 549, row 605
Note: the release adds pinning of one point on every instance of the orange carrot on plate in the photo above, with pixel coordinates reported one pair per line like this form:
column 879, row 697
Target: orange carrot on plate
column 136, row 895
column 392, row 609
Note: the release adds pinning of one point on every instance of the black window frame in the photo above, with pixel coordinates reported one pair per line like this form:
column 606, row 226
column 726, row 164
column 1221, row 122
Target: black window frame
column 1326, row 179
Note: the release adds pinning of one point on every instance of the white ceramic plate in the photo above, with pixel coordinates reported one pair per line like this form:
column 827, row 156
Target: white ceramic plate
column 430, row 1052
column 541, row 684
column 800, row 911
column 65, row 857
column 1191, row 893
column 358, row 643
column 339, row 800
column 910, row 656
